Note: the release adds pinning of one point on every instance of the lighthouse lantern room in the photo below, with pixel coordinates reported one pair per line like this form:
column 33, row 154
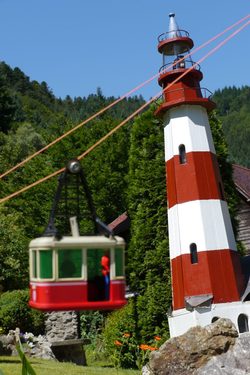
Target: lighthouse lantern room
column 207, row 278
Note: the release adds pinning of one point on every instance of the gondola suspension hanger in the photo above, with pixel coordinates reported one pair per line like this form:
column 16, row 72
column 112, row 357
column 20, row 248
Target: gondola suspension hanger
column 76, row 272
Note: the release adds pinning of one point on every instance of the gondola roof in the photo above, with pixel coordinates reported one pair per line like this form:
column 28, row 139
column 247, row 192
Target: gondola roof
column 78, row 241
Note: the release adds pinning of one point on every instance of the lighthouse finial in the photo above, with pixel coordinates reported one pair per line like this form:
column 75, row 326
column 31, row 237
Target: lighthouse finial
column 173, row 27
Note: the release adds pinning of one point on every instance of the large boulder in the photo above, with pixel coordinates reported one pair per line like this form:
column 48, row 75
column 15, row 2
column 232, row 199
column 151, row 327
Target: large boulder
column 191, row 351
column 235, row 361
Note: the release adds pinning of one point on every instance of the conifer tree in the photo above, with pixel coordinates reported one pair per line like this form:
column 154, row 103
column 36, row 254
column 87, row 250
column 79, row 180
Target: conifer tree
column 148, row 266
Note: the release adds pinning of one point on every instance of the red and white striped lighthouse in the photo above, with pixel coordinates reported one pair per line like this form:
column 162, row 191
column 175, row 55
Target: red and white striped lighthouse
column 207, row 281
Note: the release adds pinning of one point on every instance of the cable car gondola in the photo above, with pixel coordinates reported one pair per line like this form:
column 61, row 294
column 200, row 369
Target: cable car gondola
column 76, row 272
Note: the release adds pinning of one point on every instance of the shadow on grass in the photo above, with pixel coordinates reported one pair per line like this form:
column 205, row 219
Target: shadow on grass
column 9, row 361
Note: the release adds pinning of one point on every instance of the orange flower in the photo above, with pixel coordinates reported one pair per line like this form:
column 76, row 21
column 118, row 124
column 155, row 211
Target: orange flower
column 144, row 347
column 118, row 343
column 157, row 338
column 147, row 347
column 152, row 348
column 126, row 335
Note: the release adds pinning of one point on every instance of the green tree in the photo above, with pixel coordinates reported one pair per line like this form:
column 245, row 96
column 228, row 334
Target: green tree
column 225, row 166
column 13, row 251
column 34, row 205
column 7, row 107
column 15, row 312
column 233, row 110
column 148, row 266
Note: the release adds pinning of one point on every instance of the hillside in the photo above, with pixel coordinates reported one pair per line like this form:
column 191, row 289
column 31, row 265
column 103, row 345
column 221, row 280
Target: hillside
column 233, row 107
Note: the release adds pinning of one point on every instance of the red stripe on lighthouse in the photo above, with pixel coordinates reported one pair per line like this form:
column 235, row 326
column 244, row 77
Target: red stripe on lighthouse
column 197, row 178
column 217, row 273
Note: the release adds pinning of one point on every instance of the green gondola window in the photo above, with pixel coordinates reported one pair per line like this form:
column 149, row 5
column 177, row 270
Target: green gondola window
column 34, row 264
column 94, row 257
column 46, row 270
column 119, row 262
column 70, row 263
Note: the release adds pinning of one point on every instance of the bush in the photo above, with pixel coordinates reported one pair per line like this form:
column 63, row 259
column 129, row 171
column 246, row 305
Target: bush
column 15, row 312
column 92, row 323
column 119, row 337
column 122, row 340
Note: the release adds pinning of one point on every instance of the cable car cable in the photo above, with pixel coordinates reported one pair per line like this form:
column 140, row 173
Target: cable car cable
column 128, row 118
column 117, row 101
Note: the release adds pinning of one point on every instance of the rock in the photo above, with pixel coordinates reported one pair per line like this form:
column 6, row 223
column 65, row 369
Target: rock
column 32, row 346
column 185, row 354
column 6, row 345
column 146, row 370
column 234, row 362
column 40, row 347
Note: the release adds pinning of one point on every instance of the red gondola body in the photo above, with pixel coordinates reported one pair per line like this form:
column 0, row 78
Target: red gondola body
column 83, row 289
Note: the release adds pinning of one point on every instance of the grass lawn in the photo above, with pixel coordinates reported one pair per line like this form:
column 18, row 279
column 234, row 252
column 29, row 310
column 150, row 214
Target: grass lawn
column 12, row 366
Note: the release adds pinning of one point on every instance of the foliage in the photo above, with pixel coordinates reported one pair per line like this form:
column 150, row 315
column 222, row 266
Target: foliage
column 7, row 107
column 27, row 369
column 13, row 251
column 106, row 168
column 119, row 337
column 234, row 111
column 225, row 166
column 92, row 323
column 148, row 266
column 15, row 312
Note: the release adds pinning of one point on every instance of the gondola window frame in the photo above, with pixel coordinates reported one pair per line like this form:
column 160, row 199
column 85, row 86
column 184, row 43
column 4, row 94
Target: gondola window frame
column 117, row 272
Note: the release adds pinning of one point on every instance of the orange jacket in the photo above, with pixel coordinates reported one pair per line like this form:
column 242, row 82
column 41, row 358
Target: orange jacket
column 105, row 265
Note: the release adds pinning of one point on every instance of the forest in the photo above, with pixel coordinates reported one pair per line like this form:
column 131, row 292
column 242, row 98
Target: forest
column 126, row 173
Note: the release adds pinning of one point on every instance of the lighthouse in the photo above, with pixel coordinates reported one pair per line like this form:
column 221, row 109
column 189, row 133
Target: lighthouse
column 206, row 271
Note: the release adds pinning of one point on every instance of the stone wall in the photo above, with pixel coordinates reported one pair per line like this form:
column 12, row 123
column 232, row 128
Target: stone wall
column 62, row 331
column 61, row 325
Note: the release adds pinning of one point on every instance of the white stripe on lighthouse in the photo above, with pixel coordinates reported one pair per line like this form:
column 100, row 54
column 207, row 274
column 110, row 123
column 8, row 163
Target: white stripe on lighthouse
column 203, row 222
column 188, row 125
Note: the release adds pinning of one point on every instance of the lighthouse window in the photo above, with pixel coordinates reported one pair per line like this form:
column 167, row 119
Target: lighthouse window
column 243, row 323
column 182, row 154
column 193, row 253
column 215, row 318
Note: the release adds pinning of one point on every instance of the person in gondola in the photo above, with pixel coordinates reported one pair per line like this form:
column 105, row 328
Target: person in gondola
column 105, row 263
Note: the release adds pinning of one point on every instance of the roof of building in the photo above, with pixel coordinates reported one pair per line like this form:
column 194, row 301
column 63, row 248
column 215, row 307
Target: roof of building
column 241, row 177
column 120, row 224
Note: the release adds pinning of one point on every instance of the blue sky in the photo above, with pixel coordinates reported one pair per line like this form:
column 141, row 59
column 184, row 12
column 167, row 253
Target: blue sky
column 79, row 45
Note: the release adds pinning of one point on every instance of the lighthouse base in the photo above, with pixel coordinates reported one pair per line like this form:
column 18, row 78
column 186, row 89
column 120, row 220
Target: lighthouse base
column 238, row 312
